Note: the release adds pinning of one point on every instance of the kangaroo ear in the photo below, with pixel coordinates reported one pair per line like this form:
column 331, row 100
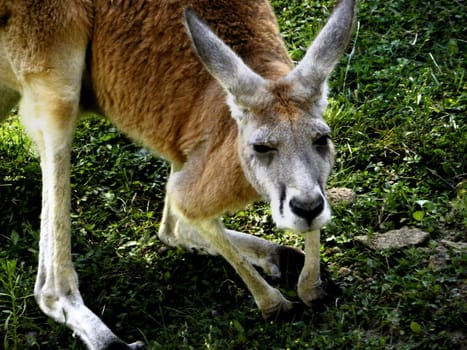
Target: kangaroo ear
column 223, row 64
column 327, row 48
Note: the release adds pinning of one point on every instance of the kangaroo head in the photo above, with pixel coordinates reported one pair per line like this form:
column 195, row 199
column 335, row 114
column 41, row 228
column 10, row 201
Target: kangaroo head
column 284, row 142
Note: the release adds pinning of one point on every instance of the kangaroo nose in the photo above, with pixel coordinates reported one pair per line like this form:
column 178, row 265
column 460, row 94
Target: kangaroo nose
column 307, row 209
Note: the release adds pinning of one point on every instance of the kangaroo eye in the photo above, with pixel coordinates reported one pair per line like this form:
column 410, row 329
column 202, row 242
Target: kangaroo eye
column 261, row 148
column 321, row 141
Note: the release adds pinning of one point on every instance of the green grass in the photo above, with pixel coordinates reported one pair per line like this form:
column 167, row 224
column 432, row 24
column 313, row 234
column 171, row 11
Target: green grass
column 398, row 113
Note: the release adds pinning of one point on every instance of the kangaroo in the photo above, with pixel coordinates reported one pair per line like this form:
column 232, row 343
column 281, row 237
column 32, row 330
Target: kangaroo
column 218, row 97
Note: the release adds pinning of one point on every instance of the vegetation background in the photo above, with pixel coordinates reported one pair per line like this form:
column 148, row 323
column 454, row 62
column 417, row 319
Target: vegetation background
column 398, row 111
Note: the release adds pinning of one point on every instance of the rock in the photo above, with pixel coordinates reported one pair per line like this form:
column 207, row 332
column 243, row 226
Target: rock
column 344, row 271
column 439, row 258
column 457, row 246
column 341, row 195
column 394, row 239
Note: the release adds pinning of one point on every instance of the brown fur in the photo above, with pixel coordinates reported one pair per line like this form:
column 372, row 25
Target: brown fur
column 144, row 76
column 154, row 87
column 34, row 31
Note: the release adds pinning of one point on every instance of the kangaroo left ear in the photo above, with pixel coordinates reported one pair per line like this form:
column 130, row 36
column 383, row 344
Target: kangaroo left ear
column 327, row 48
column 223, row 64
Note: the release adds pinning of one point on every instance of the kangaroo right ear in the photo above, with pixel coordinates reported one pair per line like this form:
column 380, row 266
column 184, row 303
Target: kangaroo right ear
column 223, row 64
column 327, row 48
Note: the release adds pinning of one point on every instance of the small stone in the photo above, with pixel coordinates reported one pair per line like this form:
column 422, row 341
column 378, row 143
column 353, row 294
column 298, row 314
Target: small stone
column 457, row 246
column 344, row 271
column 341, row 195
column 394, row 239
column 439, row 259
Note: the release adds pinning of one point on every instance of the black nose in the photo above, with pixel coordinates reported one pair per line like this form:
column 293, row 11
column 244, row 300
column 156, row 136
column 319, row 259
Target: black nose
column 307, row 209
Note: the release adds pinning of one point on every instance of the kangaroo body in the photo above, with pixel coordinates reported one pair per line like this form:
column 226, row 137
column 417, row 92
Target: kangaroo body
column 218, row 97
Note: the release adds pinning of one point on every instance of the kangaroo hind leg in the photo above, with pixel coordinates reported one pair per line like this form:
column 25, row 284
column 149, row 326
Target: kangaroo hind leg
column 49, row 109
